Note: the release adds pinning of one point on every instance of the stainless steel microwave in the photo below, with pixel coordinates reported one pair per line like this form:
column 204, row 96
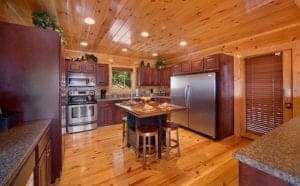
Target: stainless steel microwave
column 81, row 80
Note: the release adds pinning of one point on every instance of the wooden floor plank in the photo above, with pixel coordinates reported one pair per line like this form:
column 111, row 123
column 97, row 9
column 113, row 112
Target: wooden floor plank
column 98, row 158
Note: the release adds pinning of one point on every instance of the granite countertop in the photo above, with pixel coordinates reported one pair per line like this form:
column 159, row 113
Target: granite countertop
column 126, row 98
column 16, row 146
column 276, row 153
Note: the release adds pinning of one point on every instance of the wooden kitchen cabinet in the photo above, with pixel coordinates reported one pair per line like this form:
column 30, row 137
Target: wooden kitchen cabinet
column 185, row 67
column 43, row 168
column 211, row 63
column 154, row 77
column 81, row 67
column 44, row 160
column 176, row 69
column 109, row 113
column 88, row 67
column 74, row 66
column 197, row 65
column 143, row 76
column 102, row 74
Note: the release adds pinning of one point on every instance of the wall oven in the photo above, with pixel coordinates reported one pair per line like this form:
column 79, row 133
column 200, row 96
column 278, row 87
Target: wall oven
column 82, row 111
column 81, row 80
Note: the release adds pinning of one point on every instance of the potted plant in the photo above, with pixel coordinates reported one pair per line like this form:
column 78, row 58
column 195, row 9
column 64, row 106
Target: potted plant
column 91, row 58
column 45, row 21
column 160, row 64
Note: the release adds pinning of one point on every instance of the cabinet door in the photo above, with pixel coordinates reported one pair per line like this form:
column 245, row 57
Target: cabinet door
column 197, row 65
column 143, row 77
column 176, row 69
column 186, row 67
column 74, row 66
column 43, row 168
column 167, row 76
column 153, row 77
column 88, row 67
column 108, row 111
column 102, row 74
column 211, row 63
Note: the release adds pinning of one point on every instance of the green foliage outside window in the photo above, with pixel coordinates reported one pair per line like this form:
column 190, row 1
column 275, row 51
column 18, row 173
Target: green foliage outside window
column 121, row 79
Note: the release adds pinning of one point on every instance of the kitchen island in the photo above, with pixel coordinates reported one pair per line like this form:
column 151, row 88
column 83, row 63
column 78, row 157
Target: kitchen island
column 274, row 159
column 138, row 115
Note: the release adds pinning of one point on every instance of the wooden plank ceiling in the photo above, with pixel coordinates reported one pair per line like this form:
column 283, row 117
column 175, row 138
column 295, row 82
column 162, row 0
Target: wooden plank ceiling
column 203, row 24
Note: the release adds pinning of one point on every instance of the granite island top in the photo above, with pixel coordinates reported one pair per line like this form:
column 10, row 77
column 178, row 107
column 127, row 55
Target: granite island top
column 126, row 98
column 16, row 145
column 276, row 153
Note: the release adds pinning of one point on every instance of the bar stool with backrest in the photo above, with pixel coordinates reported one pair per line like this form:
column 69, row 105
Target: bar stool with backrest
column 168, row 128
column 147, row 132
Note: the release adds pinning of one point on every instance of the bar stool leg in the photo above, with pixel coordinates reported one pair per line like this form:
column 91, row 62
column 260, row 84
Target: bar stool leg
column 144, row 151
column 178, row 148
column 149, row 145
column 137, row 146
column 168, row 143
column 156, row 147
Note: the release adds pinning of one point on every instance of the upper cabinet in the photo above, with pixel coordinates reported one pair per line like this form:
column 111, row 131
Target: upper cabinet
column 206, row 64
column 81, row 67
column 102, row 74
column 211, row 63
column 186, row 67
column 197, row 65
column 153, row 77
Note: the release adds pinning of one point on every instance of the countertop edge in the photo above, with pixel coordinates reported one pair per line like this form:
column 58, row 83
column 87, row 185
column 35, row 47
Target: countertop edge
column 267, row 169
column 9, row 179
column 119, row 99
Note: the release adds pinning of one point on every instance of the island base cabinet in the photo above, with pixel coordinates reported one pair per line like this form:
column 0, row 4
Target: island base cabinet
column 249, row 176
column 43, row 168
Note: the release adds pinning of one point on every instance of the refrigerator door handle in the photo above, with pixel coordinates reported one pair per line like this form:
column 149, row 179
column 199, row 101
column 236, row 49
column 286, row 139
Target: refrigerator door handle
column 189, row 94
column 186, row 95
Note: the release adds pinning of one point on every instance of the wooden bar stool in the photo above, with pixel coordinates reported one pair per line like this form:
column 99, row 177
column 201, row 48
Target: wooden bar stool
column 124, row 130
column 169, row 127
column 147, row 132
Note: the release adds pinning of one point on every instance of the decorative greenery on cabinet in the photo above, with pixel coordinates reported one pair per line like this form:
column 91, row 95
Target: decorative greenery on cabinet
column 45, row 21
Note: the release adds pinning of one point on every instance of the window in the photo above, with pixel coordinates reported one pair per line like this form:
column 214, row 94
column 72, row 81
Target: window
column 121, row 78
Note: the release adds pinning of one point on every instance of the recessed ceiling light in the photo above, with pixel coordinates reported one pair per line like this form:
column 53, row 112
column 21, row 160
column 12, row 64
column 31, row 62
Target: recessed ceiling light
column 124, row 49
column 83, row 43
column 145, row 34
column 89, row 21
column 154, row 54
column 183, row 43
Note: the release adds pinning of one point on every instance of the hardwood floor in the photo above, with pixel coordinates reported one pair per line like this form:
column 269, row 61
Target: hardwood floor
column 98, row 158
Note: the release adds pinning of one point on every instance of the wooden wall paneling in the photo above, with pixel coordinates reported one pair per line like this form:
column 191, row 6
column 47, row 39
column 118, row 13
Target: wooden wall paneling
column 287, row 84
column 239, row 95
column 296, row 78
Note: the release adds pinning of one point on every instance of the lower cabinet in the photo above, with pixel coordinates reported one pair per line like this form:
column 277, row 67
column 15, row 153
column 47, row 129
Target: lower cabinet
column 43, row 168
column 43, row 161
column 109, row 113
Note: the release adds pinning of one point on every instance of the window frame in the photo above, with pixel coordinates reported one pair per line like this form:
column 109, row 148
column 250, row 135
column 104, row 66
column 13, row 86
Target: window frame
column 120, row 69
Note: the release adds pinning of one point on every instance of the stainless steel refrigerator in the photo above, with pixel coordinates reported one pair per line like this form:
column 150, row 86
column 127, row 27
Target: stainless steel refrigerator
column 198, row 93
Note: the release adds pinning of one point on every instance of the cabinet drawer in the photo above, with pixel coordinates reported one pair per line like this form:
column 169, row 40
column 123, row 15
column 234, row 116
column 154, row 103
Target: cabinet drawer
column 42, row 144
